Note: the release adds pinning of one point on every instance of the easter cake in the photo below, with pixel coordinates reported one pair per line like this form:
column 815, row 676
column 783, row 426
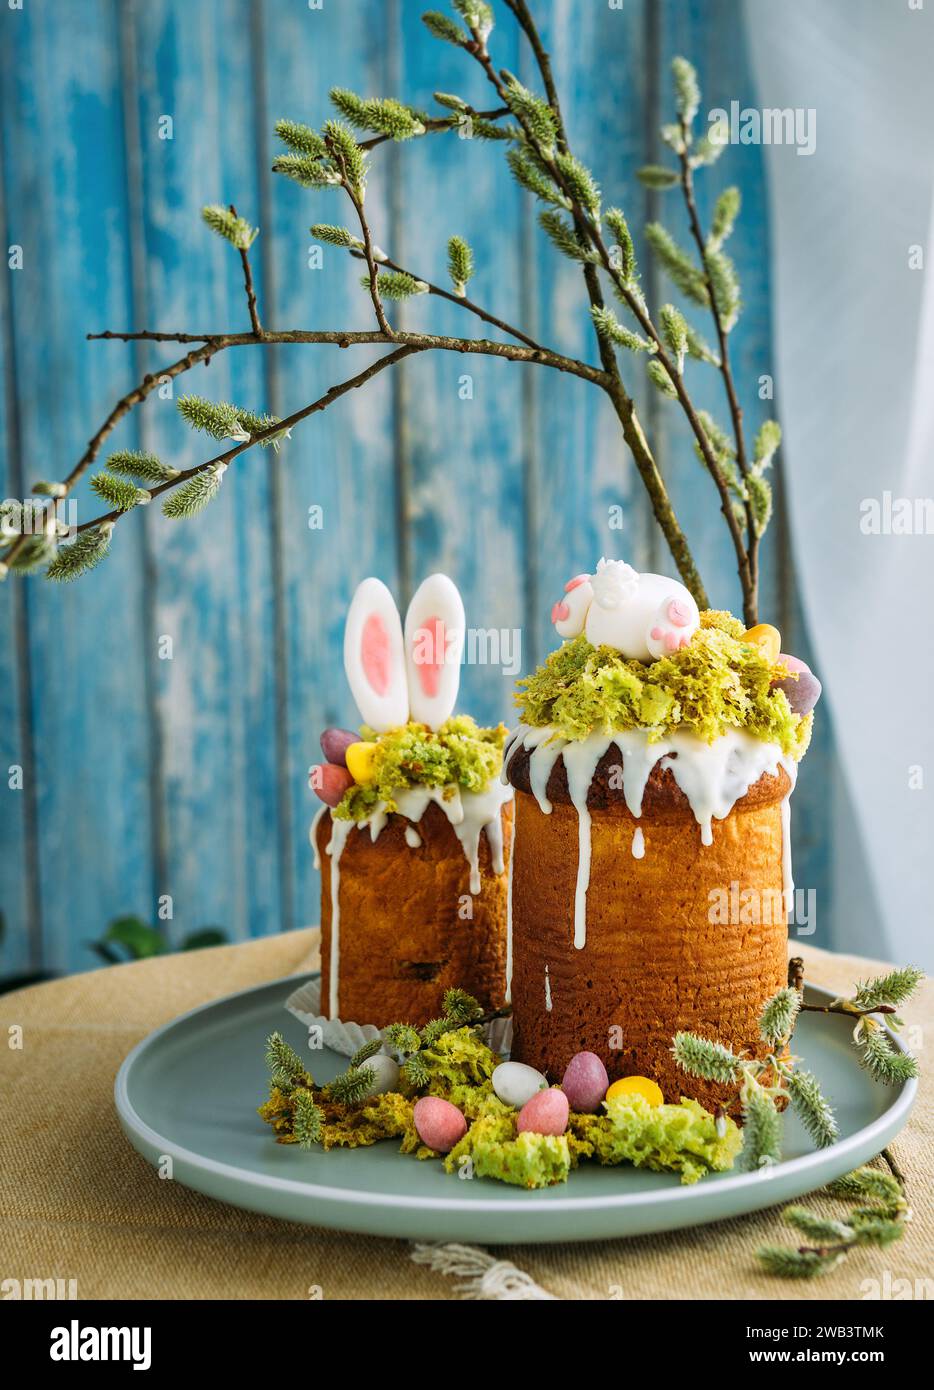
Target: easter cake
column 414, row 834
column 651, row 862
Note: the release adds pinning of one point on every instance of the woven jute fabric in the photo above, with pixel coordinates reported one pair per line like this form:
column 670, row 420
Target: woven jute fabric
column 78, row 1203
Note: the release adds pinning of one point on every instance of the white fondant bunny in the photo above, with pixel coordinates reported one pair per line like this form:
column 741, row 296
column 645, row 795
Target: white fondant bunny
column 644, row 616
column 395, row 674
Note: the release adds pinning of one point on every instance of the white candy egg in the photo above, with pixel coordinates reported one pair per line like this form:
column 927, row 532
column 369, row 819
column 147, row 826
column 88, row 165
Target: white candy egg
column 515, row 1083
column 387, row 1074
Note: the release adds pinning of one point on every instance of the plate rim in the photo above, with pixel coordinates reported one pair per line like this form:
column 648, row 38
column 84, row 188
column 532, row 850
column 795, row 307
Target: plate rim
column 683, row 1195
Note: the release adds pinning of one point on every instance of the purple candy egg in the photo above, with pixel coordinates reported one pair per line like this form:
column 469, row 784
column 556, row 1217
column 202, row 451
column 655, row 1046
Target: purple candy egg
column 803, row 693
column 585, row 1082
column 334, row 745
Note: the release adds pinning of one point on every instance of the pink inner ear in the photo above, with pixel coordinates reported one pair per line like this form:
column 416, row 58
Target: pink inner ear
column 429, row 648
column 575, row 582
column 375, row 653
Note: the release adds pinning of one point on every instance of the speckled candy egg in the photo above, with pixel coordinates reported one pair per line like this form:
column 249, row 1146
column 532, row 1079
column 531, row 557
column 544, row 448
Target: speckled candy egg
column 584, row 1082
column 386, row 1074
column 438, row 1123
column 546, row 1113
column 334, row 745
column 515, row 1083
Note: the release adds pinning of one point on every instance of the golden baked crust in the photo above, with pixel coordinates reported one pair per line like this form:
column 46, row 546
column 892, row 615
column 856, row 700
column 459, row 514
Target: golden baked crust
column 654, row 962
column 405, row 937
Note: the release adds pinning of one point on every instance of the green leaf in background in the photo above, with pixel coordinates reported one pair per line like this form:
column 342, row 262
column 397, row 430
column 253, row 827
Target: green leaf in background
column 207, row 936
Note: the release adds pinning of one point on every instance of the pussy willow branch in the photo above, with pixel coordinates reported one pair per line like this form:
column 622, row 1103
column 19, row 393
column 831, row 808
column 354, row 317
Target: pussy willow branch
column 440, row 123
column 123, row 407
column 623, row 403
column 736, row 410
column 590, row 232
column 322, row 403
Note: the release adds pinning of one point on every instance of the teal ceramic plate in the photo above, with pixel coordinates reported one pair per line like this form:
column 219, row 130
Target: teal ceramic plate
column 190, row 1091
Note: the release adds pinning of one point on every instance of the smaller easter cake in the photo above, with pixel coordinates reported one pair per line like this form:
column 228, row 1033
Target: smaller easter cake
column 414, row 836
column 651, row 866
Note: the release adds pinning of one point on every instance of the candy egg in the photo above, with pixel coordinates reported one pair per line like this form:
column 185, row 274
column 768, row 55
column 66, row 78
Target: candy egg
column 584, row 1082
column 386, row 1074
column 360, row 758
column 636, row 1086
column 792, row 663
column 803, row 693
column 329, row 782
column 438, row 1123
column 515, row 1083
column 767, row 638
column 335, row 742
column 546, row 1113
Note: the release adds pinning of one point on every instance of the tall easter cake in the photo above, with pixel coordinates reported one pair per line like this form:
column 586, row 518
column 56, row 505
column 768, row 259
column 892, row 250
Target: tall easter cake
column 414, row 837
column 651, row 865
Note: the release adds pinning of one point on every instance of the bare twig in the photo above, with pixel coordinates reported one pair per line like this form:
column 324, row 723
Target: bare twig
column 484, row 347
column 248, row 284
column 370, row 259
column 459, row 300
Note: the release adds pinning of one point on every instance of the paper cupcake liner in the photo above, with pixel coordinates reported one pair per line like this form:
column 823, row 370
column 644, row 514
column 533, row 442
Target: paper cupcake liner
column 304, row 1004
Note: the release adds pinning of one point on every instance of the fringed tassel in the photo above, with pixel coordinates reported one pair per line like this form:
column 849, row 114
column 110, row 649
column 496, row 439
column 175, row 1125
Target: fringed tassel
column 484, row 1277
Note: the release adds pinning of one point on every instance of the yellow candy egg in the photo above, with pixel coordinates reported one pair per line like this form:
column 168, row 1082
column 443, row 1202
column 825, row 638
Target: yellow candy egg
column 767, row 638
column 636, row 1086
column 360, row 759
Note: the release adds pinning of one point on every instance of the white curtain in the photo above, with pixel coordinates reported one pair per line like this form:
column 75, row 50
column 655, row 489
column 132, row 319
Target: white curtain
column 854, row 373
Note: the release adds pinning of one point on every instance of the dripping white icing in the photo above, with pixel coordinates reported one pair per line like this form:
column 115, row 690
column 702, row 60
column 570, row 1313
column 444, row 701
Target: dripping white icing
column 313, row 834
column 638, row 843
column 469, row 813
column 340, row 829
column 512, row 861
column 712, row 776
column 548, row 1004
column 788, row 882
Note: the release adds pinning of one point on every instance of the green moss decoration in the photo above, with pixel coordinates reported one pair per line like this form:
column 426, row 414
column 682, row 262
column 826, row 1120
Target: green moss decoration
column 666, row 1138
column 458, row 754
column 716, row 683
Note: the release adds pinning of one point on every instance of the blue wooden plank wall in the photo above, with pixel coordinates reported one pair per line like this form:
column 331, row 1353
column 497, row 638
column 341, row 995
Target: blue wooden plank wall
column 165, row 709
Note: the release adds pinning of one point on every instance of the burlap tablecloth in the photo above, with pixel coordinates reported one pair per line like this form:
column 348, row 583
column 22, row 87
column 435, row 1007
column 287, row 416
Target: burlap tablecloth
column 78, row 1203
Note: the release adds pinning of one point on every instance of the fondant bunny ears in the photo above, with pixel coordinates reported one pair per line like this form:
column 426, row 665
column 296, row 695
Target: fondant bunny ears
column 395, row 674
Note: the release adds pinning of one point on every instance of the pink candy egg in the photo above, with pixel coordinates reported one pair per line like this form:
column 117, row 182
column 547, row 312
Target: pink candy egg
column 792, row 663
column 584, row 1082
column 329, row 782
column 438, row 1123
column 546, row 1113
column 334, row 745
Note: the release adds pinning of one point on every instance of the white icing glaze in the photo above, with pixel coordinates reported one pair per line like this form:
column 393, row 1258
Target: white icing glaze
column 788, row 881
column 512, row 862
column 469, row 813
column 548, row 1004
column 313, row 834
column 712, row 776
column 638, row 843
column 340, row 830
